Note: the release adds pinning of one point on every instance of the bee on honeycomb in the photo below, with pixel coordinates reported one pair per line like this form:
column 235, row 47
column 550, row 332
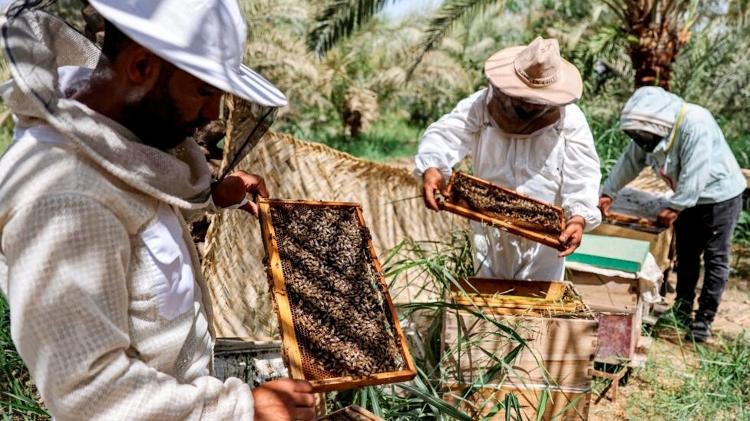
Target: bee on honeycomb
column 339, row 316
column 500, row 204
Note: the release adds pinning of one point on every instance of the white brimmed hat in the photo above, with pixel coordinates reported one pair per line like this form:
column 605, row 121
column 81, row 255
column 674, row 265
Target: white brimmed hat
column 536, row 72
column 205, row 38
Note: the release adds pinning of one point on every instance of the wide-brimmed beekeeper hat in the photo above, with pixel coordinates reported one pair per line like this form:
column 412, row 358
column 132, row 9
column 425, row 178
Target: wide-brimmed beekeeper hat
column 535, row 72
column 205, row 38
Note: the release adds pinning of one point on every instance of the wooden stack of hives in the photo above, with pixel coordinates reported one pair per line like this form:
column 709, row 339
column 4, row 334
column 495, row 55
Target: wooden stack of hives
column 339, row 327
column 605, row 270
column 617, row 297
column 555, row 365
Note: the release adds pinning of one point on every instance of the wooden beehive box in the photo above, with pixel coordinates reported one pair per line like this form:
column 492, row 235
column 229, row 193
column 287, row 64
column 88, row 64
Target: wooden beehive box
column 560, row 403
column 485, row 202
column 619, row 309
column 558, row 327
column 339, row 328
column 253, row 362
column 638, row 228
column 350, row 413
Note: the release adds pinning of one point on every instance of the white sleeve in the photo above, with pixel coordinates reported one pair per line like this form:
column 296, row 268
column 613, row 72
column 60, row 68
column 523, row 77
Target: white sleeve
column 68, row 260
column 581, row 171
column 627, row 168
column 450, row 139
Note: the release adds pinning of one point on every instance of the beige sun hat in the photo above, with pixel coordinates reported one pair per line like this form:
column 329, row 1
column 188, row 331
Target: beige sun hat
column 536, row 72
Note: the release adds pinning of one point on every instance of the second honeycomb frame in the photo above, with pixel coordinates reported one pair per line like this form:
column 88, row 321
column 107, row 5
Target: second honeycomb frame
column 504, row 224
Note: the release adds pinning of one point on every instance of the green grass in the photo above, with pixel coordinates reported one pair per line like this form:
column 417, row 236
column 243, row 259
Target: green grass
column 19, row 398
column 6, row 134
column 712, row 383
column 390, row 137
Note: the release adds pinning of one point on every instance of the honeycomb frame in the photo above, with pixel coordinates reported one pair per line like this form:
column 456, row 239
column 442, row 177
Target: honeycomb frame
column 546, row 235
column 294, row 354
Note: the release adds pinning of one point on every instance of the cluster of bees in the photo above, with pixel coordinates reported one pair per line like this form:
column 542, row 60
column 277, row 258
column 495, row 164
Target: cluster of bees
column 339, row 316
column 499, row 203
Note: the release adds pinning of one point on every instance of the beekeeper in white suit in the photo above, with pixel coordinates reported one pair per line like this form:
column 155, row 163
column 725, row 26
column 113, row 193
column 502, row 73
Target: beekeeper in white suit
column 108, row 306
column 524, row 132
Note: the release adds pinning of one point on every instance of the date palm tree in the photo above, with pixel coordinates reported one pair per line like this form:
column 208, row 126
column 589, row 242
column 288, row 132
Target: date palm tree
column 656, row 31
column 653, row 30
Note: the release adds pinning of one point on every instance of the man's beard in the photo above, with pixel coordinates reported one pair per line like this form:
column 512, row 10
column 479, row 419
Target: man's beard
column 154, row 118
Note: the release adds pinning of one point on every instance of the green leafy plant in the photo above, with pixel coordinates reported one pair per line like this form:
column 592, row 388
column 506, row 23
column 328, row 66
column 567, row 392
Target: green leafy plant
column 437, row 266
column 19, row 398
column 742, row 238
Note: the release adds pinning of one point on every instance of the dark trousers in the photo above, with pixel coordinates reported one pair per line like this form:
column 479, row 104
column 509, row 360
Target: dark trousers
column 704, row 230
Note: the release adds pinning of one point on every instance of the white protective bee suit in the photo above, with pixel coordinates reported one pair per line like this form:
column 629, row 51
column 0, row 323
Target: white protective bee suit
column 108, row 306
column 557, row 164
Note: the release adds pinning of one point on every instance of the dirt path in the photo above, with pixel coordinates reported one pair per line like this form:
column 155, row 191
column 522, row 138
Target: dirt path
column 669, row 350
column 734, row 313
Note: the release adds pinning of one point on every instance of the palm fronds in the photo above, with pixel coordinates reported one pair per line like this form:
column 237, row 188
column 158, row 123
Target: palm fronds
column 452, row 12
column 338, row 19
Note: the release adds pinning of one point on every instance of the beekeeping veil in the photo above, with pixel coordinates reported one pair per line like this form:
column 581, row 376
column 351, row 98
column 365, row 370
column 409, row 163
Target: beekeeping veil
column 36, row 44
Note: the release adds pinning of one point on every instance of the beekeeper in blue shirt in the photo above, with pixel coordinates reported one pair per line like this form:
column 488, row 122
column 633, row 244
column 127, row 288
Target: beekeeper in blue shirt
column 683, row 143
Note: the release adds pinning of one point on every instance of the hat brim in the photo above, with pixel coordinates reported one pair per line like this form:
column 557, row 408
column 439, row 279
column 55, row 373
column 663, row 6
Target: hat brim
column 242, row 82
column 500, row 71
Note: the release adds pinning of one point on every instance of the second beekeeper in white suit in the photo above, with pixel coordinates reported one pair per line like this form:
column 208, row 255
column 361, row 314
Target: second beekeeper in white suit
column 523, row 132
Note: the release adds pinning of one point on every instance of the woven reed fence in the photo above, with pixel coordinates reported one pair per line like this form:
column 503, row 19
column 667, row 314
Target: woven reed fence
column 294, row 169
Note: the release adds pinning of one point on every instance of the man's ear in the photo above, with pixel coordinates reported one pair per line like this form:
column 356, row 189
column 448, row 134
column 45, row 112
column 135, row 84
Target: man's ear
column 141, row 67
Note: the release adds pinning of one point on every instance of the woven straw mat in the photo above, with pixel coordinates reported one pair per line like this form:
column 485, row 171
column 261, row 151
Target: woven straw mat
column 294, row 169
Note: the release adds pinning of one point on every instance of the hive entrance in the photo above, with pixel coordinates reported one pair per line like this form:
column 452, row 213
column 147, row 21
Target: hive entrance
column 341, row 314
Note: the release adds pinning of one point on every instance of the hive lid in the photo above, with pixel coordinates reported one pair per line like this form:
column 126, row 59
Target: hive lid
column 611, row 253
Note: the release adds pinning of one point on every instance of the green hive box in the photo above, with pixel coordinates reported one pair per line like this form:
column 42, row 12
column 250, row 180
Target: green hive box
column 611, row 253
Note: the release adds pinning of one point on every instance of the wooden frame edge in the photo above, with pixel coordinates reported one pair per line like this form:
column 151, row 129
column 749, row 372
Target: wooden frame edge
column 346, row 383
column 546, row 239
column 289, row 344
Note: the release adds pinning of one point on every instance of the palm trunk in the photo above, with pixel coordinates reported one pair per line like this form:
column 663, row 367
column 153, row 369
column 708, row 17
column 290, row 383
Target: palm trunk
column 660, row 34
column 653, row 58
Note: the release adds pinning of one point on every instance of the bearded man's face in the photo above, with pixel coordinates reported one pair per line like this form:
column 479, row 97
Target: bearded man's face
column 172, row 110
